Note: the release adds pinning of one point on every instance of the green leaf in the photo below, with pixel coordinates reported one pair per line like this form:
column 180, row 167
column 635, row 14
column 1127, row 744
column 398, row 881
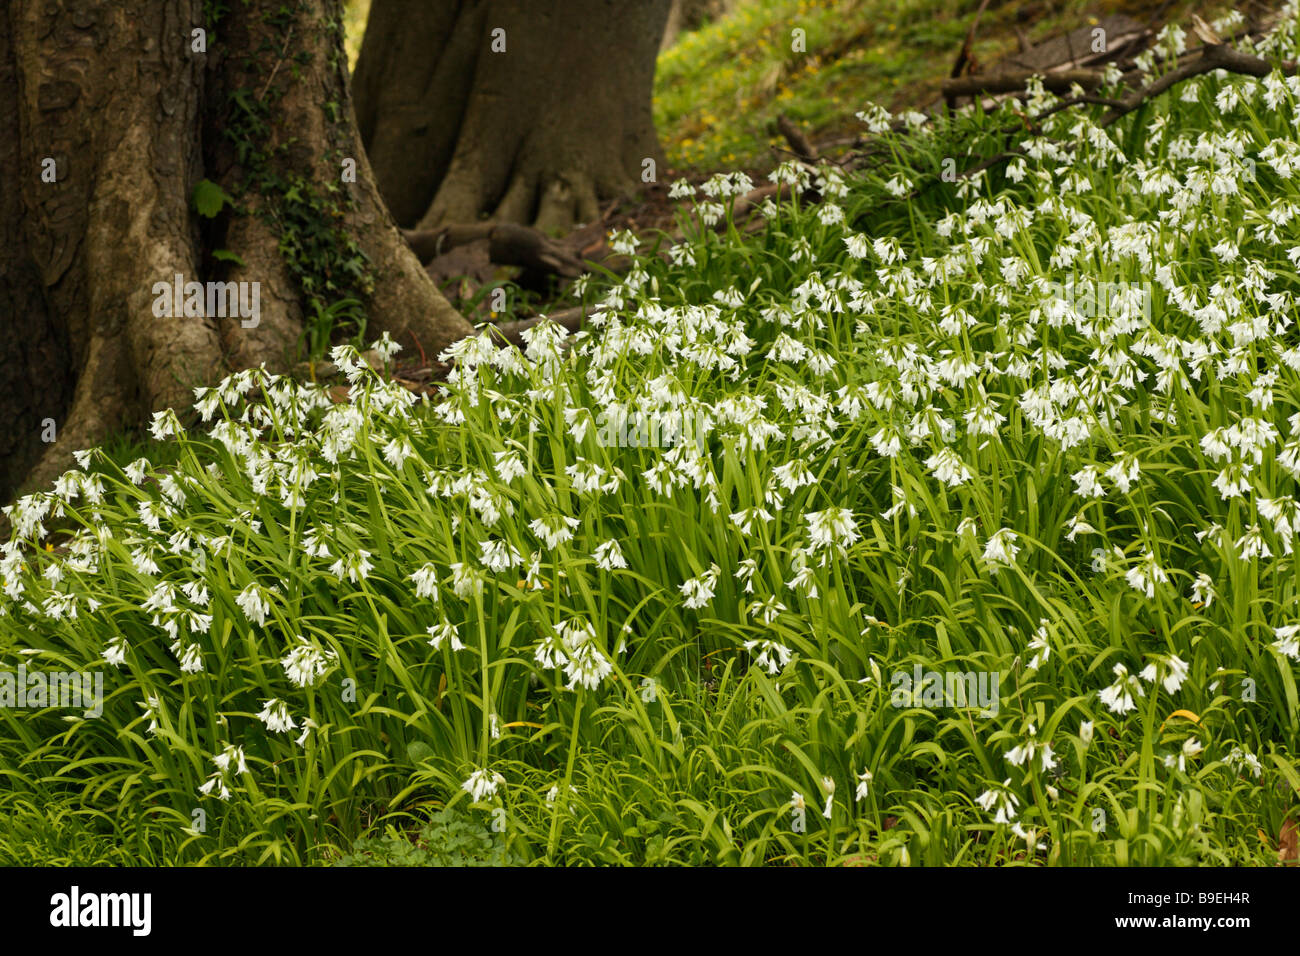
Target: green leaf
column 417, row 751
column 225, row 255
column 210, row 199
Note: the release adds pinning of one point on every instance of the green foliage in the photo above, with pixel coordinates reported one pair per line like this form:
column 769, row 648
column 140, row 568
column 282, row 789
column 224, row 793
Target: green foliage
column 320, row 619
column 449, row 838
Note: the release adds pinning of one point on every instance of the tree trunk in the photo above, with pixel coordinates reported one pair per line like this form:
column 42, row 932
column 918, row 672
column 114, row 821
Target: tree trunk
column 509, row 110
column 133, row 113
column 691, row 15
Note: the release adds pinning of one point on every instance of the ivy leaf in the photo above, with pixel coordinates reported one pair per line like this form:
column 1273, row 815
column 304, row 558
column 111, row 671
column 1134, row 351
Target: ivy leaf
column 225, row 255
column 210, row 199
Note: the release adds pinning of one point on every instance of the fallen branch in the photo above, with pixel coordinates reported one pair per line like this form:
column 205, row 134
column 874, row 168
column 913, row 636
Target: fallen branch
column 1205, row 59
column 512, row 333
column 1061, row 81
column 508, row 244
column 799, row 144
column 1214, row 56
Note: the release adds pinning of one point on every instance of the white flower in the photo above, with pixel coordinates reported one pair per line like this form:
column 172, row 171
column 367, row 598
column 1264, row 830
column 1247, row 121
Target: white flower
column 1042, row 650
column 1144, row 575
column 135, row 470
column 572, row 646
column 587, row 666
column 1124, row 472
column 858, row 245
column 386, row 347
column 1027, row 835
column 771, row 655
column 608, row 556
column 499, row 555
column 229, row 755
column 681, row 189
column 150, row 707
column 354, row 566
column 1118, row 697
column 1288, row 641
column 305, row 663
column 554, row 530
column 115, row 652
column 444, row 631
column 1002, row 798
column 253, row 602
column 554, row 793
column 397, row 451
column 1085, row 732
column 275, row 715
column 864, row 785
column 948, row 468
column 828, row 785
column 623, row 242
column 509, row 465
column 426, row 582
column 482, row 784
column 1203, row 590
column 833, row 527
column 1176, row 675
column 1001, row 549
column 1023, row 753
column 191, row 659
column 745, row 571
column 1087, row 484
column 1240, row 759
column 698, row 591
column 163, row 425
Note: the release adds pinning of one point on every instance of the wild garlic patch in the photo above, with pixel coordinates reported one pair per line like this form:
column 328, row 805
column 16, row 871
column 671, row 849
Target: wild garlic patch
column 1044, row 426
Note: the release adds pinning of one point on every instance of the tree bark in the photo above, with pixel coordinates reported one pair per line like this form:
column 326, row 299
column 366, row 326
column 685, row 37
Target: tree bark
column 134, row 114
column 540, row 132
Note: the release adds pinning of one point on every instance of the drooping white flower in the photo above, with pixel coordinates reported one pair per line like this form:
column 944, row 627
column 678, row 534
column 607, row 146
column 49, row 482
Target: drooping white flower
column 1288, row 641
column 1118, row 697
column 554, row 530
column 1003, row 799
column 426, row 581
column 770, row 655
column 608, row 556
column 254, row 603
column 305, row 663
column 832, row 528
column 275, row 715
column 483, row 784
column 1001, row 549
column 864, row 785
column 698, row 591
column 444, row 631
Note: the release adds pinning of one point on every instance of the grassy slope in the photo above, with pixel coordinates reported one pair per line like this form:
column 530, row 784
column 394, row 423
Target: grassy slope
column 720, row 89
